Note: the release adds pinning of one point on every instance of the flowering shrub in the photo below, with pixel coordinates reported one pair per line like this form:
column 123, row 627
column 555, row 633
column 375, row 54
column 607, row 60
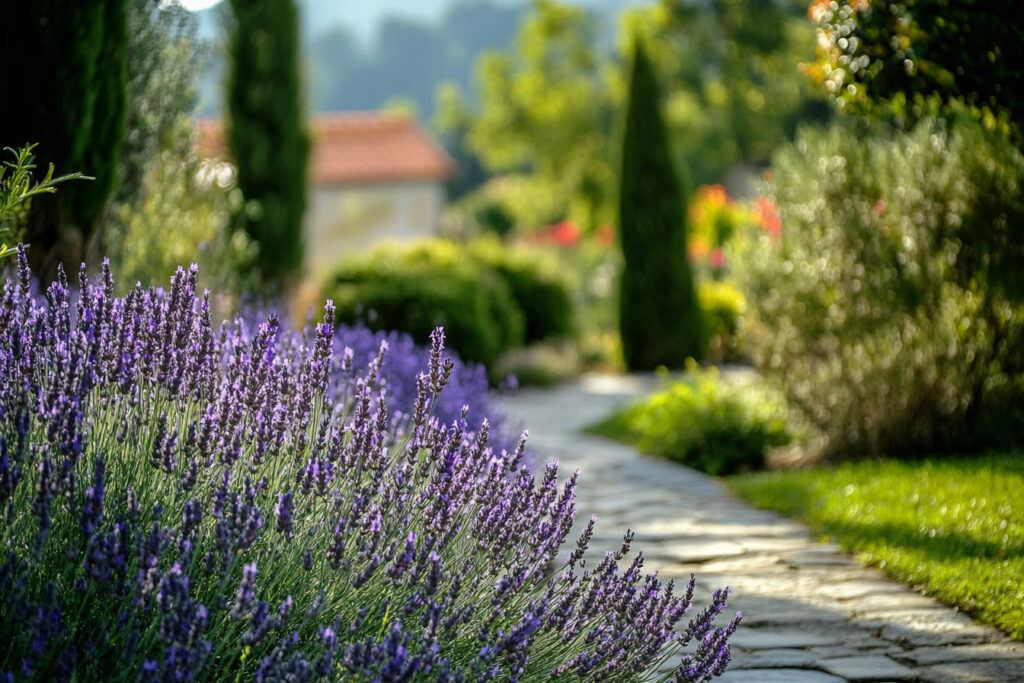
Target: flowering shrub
column 714, row 217
column 186, row 504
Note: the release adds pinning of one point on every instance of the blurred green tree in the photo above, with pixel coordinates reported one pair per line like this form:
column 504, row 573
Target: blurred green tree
column 735, row 92
column 452, row 122
column 545, row 109
column 899, row 59
column 167, row 195
column 543, row 118
column 163, row 60
column 267, row 135
column 659, row 317
column 67, row 93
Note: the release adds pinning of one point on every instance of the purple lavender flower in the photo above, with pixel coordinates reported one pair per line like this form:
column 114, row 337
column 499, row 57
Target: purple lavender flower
column 140, row 445
column 246, row 592
column 283, row 513
column 92, row 506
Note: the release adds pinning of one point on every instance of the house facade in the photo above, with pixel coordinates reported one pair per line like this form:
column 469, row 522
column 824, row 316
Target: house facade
column 373, row 177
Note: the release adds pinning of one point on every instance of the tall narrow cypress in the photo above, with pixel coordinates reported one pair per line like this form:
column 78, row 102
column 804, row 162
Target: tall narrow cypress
column 266, row 134
column 102, row 154
column 659, row 318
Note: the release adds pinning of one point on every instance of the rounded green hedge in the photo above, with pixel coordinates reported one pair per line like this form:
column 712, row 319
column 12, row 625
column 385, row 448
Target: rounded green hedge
column 415, row 289
column 540, row 287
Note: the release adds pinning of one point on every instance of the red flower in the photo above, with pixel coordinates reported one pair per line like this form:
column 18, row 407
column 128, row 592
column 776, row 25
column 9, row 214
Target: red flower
column 565, row 234
column 717, row 258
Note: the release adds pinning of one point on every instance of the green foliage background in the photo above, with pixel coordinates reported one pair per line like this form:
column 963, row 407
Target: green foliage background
column 67, row 93
column 903, row 59
column 543, row 113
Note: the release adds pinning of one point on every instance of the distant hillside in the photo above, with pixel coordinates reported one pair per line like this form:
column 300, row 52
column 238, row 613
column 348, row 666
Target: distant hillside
column 405, row 57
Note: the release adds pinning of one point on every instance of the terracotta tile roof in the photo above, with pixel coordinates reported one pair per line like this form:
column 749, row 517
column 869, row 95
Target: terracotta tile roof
column 355, row 147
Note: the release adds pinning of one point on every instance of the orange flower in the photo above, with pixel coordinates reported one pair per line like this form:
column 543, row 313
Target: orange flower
column 696, row 248
column 604, row 235
column 713, row 194
column 768, row 215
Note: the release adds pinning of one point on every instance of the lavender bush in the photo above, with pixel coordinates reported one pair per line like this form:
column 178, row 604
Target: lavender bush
column 182, row 503
column 356, row 346
column 404, row 360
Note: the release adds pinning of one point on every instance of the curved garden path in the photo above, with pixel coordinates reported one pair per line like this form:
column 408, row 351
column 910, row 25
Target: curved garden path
column 811, row 613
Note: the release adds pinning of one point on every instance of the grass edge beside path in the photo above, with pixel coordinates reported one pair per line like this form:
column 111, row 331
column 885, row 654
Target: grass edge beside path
column 952, row 527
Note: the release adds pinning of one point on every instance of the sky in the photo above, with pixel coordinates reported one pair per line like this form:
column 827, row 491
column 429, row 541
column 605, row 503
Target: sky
column 361, row 16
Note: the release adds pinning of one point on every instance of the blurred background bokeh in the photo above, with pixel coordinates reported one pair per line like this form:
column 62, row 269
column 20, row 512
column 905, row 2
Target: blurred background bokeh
column 826, row 194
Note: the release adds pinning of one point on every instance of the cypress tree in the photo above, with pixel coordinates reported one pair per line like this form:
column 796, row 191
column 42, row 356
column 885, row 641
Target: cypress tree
column 266, row 133
column 659, row 318
column 101, row 156
column 67, row 93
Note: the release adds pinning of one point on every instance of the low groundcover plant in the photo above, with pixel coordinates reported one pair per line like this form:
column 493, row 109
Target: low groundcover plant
column 184, row 503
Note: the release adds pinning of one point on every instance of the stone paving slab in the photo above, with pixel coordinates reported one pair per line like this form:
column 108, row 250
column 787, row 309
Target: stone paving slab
column 812, row 614
column 868, row 668
column 778, row 676
column 973, row 672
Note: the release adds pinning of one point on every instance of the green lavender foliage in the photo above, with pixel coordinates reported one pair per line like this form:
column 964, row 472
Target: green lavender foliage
column 659, row 317
column 267, row 135
column 67, row 93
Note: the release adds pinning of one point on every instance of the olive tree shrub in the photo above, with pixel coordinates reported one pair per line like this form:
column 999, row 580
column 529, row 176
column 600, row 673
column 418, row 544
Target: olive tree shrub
column 891, row 303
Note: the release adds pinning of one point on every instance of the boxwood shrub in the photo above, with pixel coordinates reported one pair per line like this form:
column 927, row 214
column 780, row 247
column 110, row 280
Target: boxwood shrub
column 417, row 288
column 488, row 296
column 539, row 284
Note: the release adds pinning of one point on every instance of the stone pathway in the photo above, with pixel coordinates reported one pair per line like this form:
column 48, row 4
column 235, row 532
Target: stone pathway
column 811, row 614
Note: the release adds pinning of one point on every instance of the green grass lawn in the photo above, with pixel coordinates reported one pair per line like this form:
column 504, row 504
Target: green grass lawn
column 953, row 527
